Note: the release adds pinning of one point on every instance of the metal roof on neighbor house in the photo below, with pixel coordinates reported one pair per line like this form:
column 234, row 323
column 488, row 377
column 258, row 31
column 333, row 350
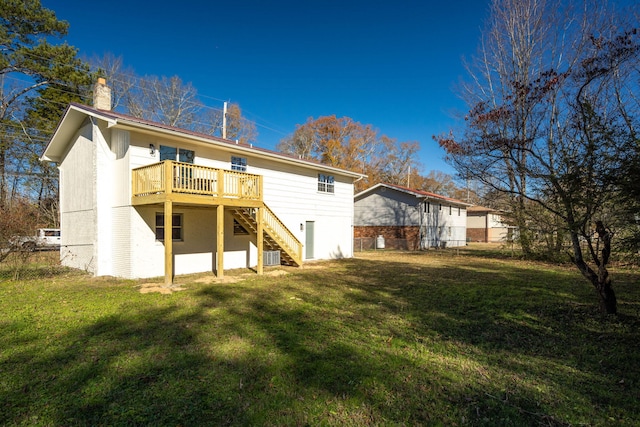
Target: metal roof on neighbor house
column 417, row 193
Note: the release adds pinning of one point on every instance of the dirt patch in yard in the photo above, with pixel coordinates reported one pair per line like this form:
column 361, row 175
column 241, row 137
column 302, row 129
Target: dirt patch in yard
column 207, row 279
column 147, row 288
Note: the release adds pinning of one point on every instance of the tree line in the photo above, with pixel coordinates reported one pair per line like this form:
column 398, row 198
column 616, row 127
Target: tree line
column 552, row 128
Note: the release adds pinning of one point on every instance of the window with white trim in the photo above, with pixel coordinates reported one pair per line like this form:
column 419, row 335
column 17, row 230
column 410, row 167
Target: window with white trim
column 238, row 164
column 326, row 183
column 176, row 227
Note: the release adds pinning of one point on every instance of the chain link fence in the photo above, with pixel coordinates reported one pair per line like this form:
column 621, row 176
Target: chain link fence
column 32, row 265
column 361, row 244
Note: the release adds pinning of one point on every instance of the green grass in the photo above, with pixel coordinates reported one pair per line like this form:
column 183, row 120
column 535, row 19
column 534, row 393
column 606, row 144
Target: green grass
column 437, row 338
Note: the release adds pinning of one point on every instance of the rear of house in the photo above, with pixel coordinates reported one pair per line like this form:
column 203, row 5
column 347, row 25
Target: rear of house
column 127, row 184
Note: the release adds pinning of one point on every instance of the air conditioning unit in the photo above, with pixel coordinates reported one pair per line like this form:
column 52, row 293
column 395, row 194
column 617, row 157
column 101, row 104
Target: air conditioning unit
column 270, row 258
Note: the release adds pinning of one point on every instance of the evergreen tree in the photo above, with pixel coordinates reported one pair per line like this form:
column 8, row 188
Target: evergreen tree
column 38, row 79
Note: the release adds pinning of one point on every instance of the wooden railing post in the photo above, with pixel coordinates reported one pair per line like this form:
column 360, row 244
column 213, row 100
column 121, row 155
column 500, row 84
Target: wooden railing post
column 220, row 183
column 168, row 176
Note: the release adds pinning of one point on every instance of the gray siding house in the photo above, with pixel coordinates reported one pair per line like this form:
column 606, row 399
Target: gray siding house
column 406, row 218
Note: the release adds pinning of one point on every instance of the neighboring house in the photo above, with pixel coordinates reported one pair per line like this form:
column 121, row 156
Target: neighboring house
column 417, row 218
column 487, row 225
column 127, row 184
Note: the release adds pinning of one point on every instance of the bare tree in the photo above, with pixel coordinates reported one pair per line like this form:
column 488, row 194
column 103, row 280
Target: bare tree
column 165, row 100
column 121, row 79
column 237, row 126
column 345, row 143
column 549, row 121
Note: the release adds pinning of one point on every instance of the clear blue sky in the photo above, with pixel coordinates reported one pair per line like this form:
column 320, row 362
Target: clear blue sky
column 391, row 64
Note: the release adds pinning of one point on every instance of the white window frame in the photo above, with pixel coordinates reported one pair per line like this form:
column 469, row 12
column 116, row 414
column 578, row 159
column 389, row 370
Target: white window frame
column 326, row 184
column 238, row 163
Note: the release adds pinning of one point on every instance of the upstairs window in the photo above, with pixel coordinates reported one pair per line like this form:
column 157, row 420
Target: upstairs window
column 326, row 183
column 177, row 154
column 238, row 164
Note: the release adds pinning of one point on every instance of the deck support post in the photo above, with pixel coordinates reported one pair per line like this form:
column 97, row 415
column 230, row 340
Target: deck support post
column 220, row 241
column 259, row 241
column 168, row 243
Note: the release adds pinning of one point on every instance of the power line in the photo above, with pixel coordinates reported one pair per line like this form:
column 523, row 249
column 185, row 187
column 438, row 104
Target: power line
column 134, row 82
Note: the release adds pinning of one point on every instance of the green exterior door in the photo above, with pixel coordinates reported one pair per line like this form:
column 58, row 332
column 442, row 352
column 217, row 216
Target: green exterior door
column 309, row 236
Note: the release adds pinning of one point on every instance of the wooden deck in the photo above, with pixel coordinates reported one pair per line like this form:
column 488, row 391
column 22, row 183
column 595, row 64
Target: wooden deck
column 171, row 183
column 192, row 184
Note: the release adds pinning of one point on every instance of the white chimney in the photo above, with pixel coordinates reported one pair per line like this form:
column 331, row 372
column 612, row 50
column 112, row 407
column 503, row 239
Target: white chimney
column 101, row 95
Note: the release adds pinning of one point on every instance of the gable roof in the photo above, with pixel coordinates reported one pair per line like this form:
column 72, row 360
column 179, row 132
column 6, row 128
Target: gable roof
column 419, row 194
column 481, row 209
column 76, row 114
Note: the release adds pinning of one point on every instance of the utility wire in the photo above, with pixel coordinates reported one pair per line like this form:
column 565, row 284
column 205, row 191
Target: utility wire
column 134, row 81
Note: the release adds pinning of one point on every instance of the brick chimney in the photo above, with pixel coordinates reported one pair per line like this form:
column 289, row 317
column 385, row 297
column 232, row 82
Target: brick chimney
column 101, row 95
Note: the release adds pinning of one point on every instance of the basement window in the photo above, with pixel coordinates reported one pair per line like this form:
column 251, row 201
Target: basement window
column 176, row 227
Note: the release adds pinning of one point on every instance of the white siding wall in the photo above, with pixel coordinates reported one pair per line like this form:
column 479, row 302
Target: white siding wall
column 77, row 202
column 292, row 193
column 105, row 178
column 121, row 212
column 387, row 208
column 122, row 256
column 444, row 223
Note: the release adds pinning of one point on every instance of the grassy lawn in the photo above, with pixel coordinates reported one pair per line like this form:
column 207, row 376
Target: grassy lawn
column 387, row 338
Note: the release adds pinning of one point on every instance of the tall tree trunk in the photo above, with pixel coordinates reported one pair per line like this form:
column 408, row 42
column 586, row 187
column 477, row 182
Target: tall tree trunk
column 608, row 301
column 3, row 178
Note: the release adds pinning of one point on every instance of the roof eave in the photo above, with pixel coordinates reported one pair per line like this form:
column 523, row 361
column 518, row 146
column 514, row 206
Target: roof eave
column 68, row 125
column 75, row 114
column 229, row 145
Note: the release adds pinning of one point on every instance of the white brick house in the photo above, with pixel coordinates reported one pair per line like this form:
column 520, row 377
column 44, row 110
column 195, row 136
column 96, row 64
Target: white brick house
column 126, row 184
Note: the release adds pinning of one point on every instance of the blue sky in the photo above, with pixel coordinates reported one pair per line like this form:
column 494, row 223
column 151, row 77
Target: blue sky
column 391, row 64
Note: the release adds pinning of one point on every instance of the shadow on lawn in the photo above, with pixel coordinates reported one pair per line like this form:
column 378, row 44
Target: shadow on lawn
column 537, row 328
column 364, row 343
column 141, row 368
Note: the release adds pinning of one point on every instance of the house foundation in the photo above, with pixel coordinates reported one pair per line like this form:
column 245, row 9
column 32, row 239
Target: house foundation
column 395, row 237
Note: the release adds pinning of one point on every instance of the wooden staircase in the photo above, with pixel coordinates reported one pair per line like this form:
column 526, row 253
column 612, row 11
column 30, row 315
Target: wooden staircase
column 277, row 237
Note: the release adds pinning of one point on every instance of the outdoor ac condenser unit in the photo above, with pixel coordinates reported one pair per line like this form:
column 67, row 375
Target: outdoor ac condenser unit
column 271, row 258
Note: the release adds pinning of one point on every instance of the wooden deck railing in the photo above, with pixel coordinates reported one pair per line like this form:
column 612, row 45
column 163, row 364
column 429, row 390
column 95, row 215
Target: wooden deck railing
column 273, row 227
column 176, row 177
column 281, row 233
